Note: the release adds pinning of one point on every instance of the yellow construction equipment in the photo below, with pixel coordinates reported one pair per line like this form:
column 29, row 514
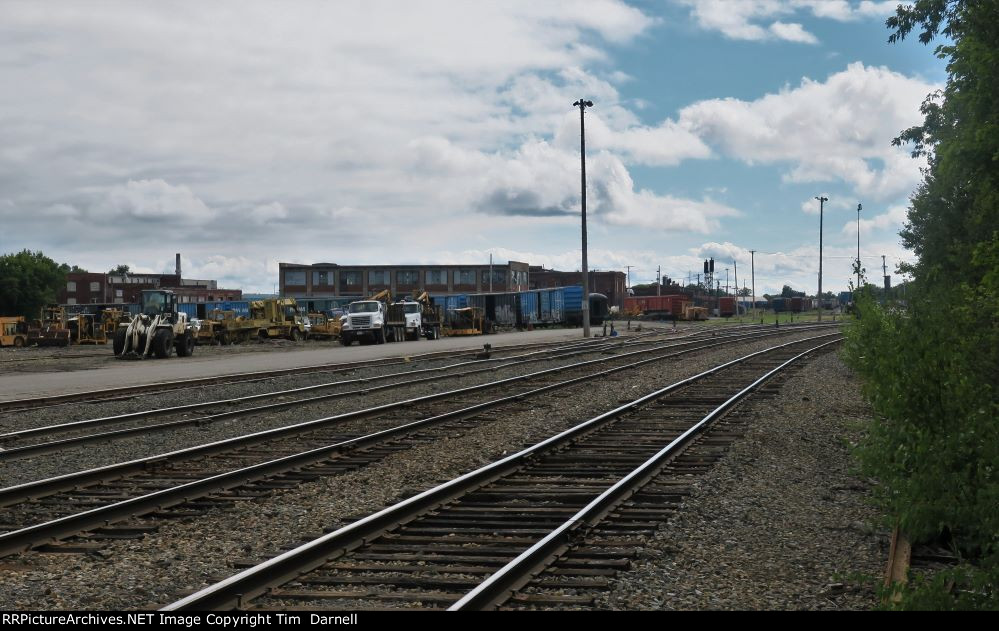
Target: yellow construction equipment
column 465, row 321
column 13, row 332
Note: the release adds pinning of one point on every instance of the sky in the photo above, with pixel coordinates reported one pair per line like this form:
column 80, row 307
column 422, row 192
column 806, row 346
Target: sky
column 244, row 134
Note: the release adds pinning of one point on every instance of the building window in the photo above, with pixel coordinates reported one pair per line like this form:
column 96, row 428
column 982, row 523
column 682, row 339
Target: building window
column 296, row 278
column 71, row 301
column 71, row 286
column 95, row 287
column 350, row 279
column 118, row 293
column 437, row 277
column 407, row 277
column 378, row 277
column 464, row 277
column 320, row 279
column 499, row 279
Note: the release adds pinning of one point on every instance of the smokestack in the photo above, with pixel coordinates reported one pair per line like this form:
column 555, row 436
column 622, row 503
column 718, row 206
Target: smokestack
column 178, row 264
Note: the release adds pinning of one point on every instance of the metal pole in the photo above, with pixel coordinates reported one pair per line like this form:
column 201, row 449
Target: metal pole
column 582, row 104
column 822, row 201
column 858, row 247
column 752, row 269
column 490, row 273
column 659, row 281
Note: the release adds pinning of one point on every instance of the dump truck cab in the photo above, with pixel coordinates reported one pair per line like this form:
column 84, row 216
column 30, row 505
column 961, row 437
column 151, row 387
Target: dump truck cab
column 364, row 320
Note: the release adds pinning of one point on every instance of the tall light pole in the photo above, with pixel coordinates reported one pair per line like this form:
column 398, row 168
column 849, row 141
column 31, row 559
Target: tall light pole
column 582, row 105
column 752, row 271
column 822, row 201
column 859, row 207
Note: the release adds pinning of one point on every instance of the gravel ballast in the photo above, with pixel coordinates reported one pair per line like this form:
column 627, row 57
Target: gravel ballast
column 187, row 554
column 781, row 522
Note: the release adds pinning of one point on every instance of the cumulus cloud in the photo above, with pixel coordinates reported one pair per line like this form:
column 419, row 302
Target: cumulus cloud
column 152, row 201
column 748, row 19
column 824, row 131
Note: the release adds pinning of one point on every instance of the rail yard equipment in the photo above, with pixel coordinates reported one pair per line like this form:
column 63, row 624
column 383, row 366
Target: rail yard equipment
column 51, row 329
column 278, row 318
column 412, row 317
column 365, row 320
column 466, row 321
column 695, row 313
column 13, row 332
column 86, row 328
column 156, row 331
column 324, row 327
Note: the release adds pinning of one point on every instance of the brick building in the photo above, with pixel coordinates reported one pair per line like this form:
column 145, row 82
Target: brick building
column 329, row 280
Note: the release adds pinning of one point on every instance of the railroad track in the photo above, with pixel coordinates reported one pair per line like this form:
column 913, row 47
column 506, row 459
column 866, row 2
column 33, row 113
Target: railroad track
column 15, row 405
column 12, row 444
column 548, row 526
column 246, row 467
column 66, row 435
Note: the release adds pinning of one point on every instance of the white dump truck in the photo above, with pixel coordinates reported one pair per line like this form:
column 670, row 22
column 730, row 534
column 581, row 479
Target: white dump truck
column 364, row 321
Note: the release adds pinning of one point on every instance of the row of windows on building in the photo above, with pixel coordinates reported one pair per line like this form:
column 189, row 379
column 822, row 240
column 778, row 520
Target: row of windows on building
column 402, row 277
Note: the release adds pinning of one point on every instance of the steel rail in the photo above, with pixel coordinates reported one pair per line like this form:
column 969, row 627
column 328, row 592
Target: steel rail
column 25, row 538
column 12, row 453
column 239, row 588
column 520, row 571
column 14, row 405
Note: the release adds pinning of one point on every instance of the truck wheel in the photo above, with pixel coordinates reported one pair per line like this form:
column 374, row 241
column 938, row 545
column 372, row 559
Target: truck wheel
column 346, row 340
column 185, row 345
column 380, row 336
column 119, row 342
column 163, row 343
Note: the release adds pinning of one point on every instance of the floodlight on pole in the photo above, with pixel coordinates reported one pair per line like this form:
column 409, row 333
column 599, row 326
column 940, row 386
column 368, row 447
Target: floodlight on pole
column 582, row 105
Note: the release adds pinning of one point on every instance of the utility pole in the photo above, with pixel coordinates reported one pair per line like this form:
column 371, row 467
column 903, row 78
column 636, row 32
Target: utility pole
column 629, row 275
column 859, row 206
column 582, row 105
column 884, row 270
column 822, row 201
column 752, row 268
column 659, row 282
column 726, row 281
column 490, row 273
column 735, row 270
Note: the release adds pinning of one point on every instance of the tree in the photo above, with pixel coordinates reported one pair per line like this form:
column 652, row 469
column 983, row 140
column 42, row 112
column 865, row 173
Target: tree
column 28, row 281
column 66, row 269
column 787, row 292
column 931, row 373
column 120, row 270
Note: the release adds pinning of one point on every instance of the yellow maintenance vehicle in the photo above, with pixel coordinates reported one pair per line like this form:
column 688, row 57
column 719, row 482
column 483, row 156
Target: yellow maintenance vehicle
column 13, row 332
column 277, row 318
column 51, row 329
column 465, row 321
column 323, row 327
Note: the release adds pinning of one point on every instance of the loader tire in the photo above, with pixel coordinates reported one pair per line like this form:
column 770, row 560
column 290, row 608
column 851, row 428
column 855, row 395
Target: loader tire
column 185, row 346
column 119, row 342
column 296, row 335
column 163, row 343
